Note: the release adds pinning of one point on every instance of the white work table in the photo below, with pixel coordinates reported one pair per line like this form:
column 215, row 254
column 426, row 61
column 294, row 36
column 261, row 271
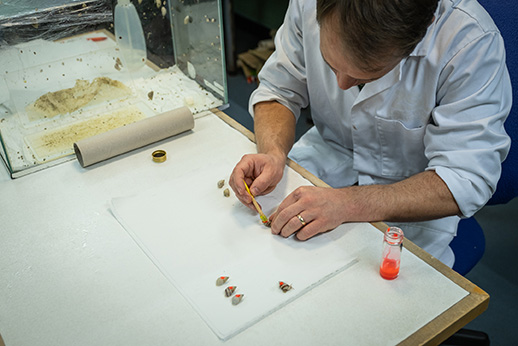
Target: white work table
column 70, row 274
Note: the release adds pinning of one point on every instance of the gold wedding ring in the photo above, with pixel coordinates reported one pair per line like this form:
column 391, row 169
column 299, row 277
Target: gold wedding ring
column 159, row 155
column 301, row 220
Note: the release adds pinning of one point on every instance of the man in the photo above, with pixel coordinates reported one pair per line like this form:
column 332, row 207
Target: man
column 419, row 145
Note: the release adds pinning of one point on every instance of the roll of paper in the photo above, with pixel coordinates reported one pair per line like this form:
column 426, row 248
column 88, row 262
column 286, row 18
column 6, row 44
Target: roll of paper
column 136, row 135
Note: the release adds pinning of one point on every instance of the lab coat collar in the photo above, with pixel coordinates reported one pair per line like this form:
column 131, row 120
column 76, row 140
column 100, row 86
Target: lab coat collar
column 385, row 82
column 426, row 44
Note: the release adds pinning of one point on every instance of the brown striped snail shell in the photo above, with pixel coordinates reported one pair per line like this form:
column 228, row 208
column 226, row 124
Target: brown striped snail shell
column 230, row 290
column 284, row 286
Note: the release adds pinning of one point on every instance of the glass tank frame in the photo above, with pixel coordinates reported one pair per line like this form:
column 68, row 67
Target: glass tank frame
column 64, row 76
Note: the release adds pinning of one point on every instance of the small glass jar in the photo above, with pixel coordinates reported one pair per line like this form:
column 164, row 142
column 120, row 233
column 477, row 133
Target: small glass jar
column 391, row 256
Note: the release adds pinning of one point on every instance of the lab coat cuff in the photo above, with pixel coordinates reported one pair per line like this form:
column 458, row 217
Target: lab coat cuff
column 263, row 95
column 469, row 197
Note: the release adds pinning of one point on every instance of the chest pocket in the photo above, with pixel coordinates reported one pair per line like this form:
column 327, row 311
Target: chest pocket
column 402, row 148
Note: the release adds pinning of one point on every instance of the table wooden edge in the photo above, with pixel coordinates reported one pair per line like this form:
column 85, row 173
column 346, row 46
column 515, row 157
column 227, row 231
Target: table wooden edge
column 447, row 323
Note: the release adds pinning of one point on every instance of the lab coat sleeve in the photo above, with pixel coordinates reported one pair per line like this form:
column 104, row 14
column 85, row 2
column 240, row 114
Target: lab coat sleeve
column 466, row 142
column 283, row 77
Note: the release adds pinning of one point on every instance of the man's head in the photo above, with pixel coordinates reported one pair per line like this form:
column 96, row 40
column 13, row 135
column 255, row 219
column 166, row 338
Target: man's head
column 362, row 40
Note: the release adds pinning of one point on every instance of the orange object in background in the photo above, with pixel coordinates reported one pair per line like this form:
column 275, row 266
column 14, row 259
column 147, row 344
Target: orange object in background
column 96, row 39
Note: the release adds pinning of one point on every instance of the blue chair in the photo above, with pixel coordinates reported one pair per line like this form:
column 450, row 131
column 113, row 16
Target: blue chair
column 469, row 244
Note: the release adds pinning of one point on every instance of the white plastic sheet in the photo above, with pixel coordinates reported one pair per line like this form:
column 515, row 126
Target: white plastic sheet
column 194, row 235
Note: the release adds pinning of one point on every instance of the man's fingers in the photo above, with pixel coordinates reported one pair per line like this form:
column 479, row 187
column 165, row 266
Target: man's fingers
column 310, row 230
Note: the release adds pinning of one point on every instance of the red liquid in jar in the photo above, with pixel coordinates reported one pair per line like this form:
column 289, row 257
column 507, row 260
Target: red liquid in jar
column 389, row 269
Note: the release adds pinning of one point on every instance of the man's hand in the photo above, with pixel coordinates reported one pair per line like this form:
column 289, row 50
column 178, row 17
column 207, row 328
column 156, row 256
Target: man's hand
column 261, row 172
column 421, row 197
column 321, row 209
column 274, row 127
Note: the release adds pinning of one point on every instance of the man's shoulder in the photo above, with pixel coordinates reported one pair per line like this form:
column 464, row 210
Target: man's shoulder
column 466, row 15
column 458, row 24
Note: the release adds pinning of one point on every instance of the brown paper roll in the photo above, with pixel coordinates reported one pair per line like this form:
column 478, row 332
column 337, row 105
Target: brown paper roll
column 126, row 138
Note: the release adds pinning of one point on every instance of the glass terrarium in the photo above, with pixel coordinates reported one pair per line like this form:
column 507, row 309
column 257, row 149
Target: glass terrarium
column 73, row 69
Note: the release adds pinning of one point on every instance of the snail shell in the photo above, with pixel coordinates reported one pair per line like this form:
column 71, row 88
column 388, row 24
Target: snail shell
column 237, row 299
column 230, row 290
column 284, row 286
column 221, row 280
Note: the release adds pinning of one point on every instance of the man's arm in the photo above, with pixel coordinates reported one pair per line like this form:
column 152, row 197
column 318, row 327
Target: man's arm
column 274, row 127
column 424, row 196
column 421, row 197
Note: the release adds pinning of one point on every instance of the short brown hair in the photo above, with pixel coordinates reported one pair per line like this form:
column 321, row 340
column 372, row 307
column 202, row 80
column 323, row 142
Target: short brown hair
column 378, row 29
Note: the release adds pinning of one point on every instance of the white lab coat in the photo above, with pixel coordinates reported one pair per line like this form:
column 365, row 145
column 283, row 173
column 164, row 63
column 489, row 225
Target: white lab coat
column 441, row 109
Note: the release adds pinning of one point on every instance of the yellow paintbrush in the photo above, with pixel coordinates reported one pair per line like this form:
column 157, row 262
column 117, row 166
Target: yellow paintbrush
column 264, row 219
